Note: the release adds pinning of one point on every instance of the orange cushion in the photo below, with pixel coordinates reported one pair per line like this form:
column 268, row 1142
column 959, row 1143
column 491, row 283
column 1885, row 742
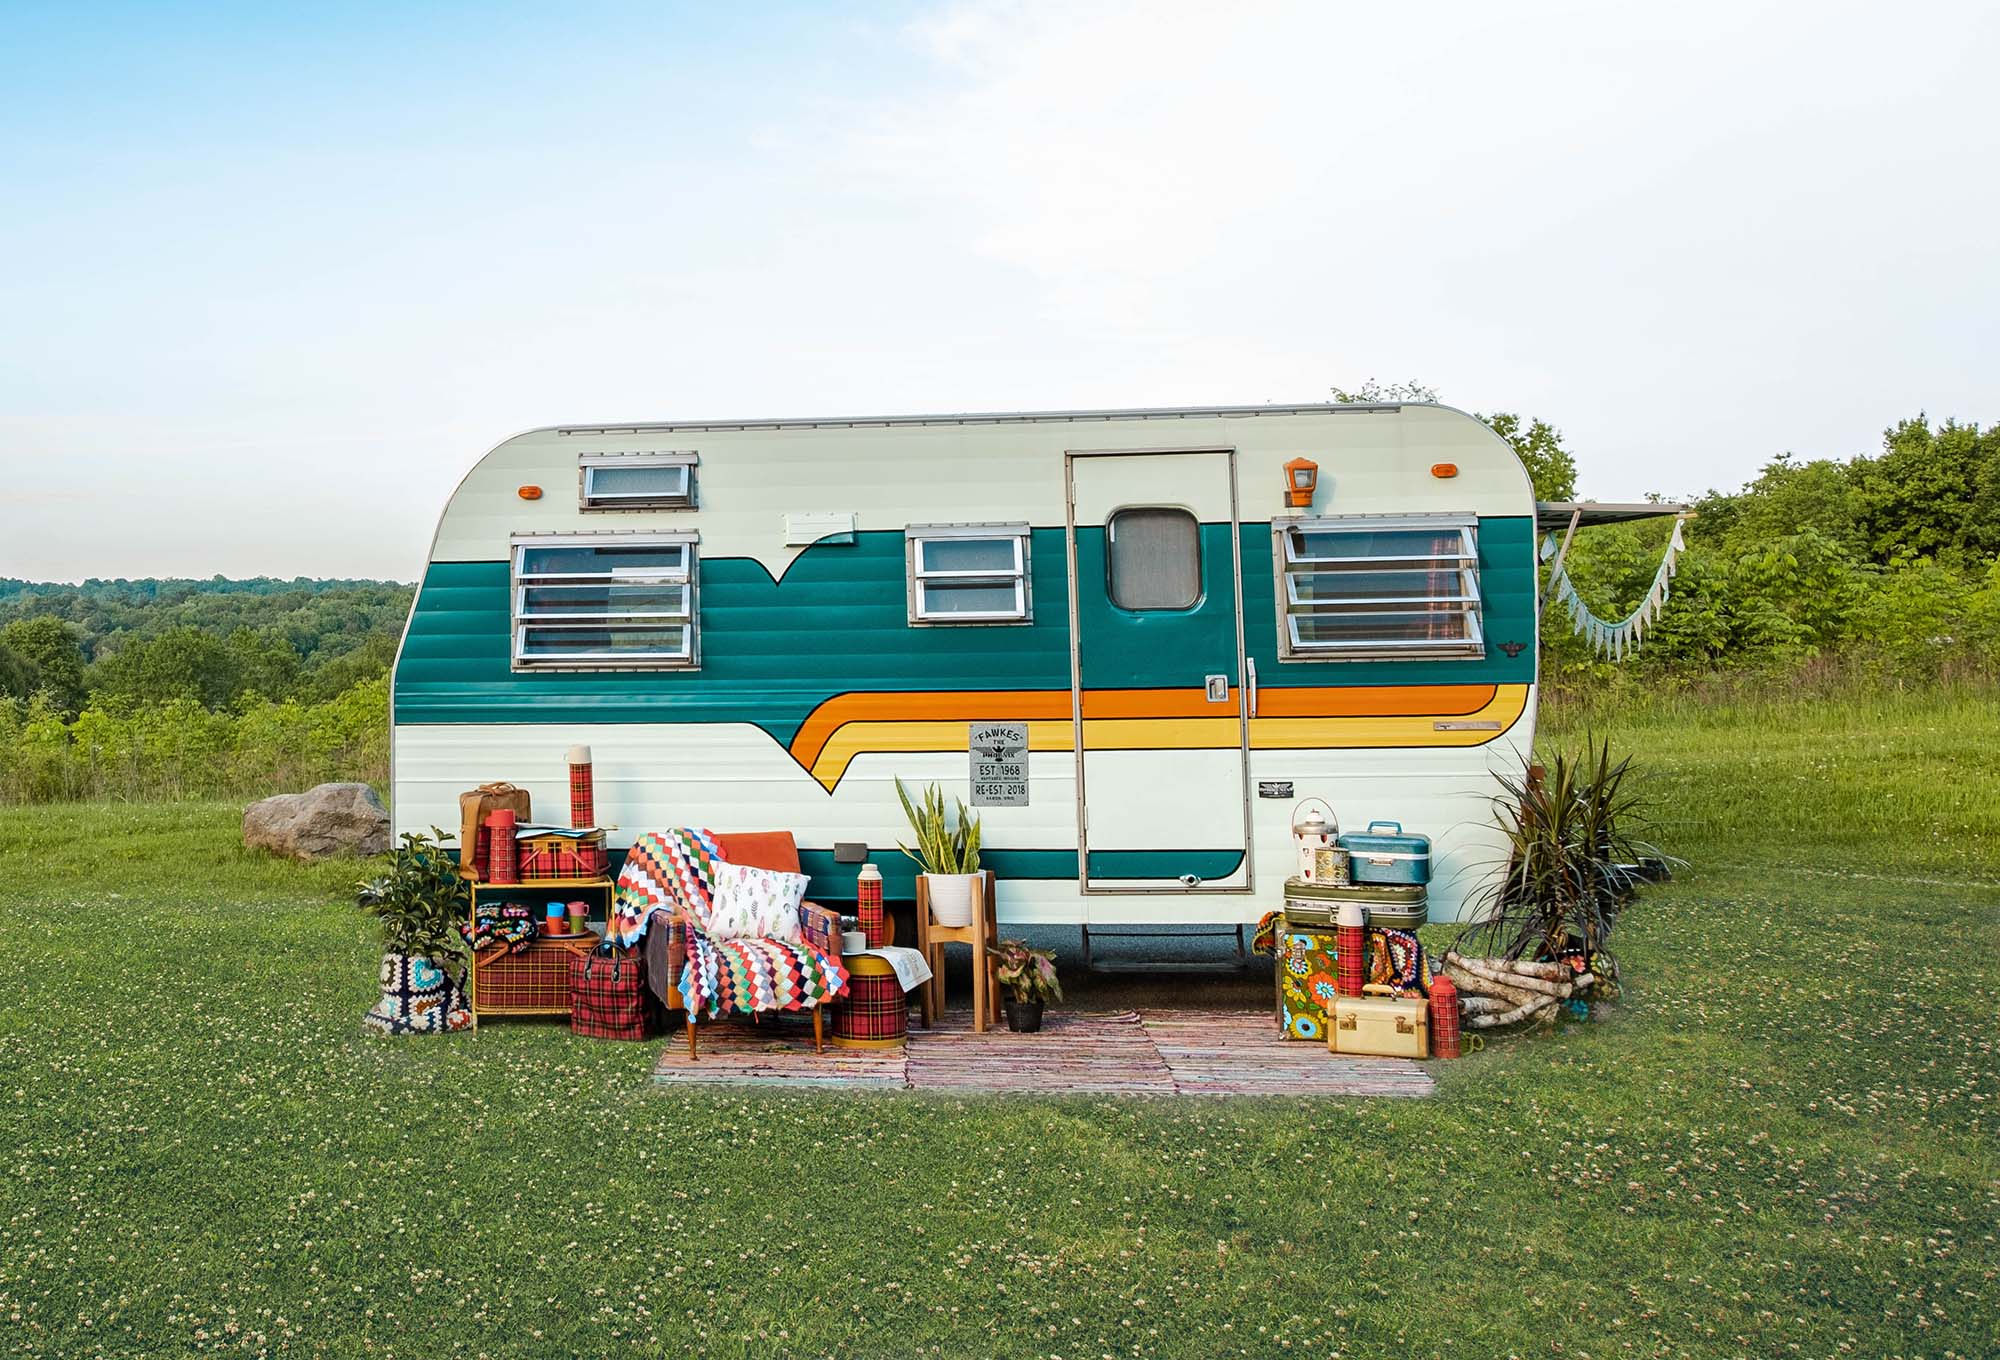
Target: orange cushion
column 761, row 850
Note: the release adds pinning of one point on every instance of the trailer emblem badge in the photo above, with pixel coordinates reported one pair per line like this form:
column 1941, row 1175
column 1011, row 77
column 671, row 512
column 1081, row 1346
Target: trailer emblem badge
column 1513, row 649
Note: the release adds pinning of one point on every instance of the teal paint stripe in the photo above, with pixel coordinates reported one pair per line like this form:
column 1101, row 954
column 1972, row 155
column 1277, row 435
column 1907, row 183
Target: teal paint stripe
column 833, row 882
column 773, row 651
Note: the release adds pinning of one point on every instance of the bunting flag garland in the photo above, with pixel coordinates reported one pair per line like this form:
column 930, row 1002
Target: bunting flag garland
column 1616, row 640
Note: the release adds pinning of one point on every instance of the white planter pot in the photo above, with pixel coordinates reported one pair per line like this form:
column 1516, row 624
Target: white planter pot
column 951, row 898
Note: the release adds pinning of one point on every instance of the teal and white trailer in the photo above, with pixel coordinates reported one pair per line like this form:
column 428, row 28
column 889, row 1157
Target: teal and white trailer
column 764, row 624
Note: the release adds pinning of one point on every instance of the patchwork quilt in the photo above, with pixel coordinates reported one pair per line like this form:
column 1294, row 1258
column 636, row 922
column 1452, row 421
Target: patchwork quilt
column 664, row 871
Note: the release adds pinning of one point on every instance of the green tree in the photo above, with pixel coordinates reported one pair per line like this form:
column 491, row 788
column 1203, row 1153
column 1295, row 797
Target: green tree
column 51, row 647
column 1538, row 444
column 17, row 676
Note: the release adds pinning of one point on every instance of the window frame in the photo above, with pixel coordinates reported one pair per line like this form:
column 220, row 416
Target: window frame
column 597, row 502
column 1289, row 563
column 1111, row 575
column 1021, row 577
column 685, row 577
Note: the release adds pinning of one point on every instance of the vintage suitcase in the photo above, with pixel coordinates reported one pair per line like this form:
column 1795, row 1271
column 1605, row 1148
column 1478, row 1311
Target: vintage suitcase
column 1383, row 854
column 1390, row 906
column 472, row 810
column 1307, row 962
column 1380, row 1024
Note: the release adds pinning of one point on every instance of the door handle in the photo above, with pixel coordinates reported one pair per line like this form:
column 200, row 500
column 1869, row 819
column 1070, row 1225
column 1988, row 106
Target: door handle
column 1250, row 683
column 1218, row 689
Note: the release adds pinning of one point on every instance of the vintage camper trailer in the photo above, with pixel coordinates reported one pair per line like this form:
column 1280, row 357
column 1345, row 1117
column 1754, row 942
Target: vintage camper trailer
column 1191, row 619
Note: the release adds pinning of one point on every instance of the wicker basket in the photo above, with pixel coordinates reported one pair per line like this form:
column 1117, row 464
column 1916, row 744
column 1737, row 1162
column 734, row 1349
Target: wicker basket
column 561, row 857
column 532, row 982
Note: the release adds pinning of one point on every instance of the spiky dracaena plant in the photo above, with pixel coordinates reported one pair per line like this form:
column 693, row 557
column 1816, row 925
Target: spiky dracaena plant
column 1571, row 836
column 1030, row 974
column 942, row 847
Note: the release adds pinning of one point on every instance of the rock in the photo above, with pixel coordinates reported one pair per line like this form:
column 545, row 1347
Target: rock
column 331, row 819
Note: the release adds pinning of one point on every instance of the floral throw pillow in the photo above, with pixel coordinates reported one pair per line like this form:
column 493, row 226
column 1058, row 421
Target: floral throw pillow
column 755, row 904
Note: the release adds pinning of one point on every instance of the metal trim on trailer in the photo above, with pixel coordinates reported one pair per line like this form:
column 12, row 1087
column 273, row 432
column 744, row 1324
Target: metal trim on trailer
column 996, row 418
column 1185, row 889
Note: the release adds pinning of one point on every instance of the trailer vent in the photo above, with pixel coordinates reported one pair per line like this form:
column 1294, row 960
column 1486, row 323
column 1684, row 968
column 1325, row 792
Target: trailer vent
column 1378, row 588
column 661, row 480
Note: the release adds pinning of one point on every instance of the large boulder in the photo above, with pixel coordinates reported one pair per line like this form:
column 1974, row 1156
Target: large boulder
column 331, row 819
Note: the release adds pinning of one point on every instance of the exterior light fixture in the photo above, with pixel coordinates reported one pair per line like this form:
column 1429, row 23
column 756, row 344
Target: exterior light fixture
column 1301, row 477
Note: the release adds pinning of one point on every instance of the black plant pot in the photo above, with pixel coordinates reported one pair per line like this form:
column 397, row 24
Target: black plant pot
column 1023, row 1017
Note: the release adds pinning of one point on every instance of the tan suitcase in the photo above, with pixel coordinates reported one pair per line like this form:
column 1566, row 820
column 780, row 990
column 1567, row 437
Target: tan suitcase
column 1381, row 1024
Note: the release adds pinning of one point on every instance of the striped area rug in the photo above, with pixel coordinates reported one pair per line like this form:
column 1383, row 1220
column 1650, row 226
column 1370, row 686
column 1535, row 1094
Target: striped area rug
column 1149, row 1052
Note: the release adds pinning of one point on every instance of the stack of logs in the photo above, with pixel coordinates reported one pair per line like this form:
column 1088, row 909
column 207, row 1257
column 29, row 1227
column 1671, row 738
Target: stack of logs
column 1495, row 992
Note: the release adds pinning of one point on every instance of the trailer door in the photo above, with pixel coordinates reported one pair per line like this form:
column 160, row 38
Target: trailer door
column 1156, row 673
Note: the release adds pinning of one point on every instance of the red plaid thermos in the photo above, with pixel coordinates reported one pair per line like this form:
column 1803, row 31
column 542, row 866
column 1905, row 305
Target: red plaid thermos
column 482, row 853
column 1350, row 944
column 1444, row 1017
column 868, row 891
column 500, row 823
column 582, row 795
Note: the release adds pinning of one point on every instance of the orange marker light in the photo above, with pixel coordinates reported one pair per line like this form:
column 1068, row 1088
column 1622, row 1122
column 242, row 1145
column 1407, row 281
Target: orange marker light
column 1444, row 469
column 1301, row 476
column 529, row 493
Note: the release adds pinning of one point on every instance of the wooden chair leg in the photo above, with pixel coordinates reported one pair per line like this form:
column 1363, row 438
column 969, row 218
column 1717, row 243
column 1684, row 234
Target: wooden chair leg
column 979, row 956
column 819, row 1038
column 693, row 1056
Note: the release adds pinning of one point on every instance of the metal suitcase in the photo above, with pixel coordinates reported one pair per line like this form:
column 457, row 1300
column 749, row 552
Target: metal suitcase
column 1389, row 906
column 1384, row 854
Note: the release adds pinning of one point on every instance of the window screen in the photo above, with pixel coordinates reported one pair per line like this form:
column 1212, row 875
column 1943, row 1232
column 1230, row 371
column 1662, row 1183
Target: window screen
column 624, row 602
column 968, row 573
column 636, row 481
column 1153, row 558
column 1371, row 589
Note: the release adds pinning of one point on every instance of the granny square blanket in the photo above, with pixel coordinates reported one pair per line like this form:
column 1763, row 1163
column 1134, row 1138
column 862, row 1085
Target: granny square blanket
column 664, row 871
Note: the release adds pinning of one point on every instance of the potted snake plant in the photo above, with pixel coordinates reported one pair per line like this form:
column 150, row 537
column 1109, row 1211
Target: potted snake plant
column 947, row 851
column 1029, row 975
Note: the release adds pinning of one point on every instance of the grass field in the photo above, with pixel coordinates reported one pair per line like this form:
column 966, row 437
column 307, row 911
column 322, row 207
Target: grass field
column 1781, row 1143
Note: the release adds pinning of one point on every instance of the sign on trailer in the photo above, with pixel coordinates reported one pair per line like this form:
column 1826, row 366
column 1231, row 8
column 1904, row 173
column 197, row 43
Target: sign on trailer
column 999, row 764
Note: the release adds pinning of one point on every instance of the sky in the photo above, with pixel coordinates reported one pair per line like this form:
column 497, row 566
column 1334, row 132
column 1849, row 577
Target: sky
column 273, row 277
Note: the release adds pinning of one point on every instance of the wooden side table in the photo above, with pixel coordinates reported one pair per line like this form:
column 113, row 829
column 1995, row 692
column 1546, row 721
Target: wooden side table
column 932, row 938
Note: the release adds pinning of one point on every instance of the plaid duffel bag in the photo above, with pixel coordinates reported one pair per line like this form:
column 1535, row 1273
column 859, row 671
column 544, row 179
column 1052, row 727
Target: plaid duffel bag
column 607, row 996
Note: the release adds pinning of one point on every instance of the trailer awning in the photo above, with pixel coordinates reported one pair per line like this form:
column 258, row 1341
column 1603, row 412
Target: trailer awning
column 1550, row 515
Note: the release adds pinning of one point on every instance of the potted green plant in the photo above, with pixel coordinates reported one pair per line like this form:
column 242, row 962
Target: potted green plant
column 1029, row 975
column 420, row 901
column 947, row 851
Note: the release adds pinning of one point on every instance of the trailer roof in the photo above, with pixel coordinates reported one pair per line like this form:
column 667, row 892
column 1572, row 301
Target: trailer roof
column 996, row 417
column 1557, row 514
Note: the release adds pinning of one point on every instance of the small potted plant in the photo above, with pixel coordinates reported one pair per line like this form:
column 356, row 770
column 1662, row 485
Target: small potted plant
column 420, row 901
column 948, row 853
column 1029, row 975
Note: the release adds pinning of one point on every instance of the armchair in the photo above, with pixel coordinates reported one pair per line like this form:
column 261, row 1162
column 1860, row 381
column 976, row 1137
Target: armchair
column 791, row 978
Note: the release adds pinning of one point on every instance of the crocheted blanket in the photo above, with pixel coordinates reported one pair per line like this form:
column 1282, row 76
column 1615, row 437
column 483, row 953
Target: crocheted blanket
column 747, row 976
column 664, row 871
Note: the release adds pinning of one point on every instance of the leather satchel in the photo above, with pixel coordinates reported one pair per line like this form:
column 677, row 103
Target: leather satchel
column 472, row 810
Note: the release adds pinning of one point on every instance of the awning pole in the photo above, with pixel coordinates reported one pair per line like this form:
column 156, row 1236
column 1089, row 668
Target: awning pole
column 1555, row 567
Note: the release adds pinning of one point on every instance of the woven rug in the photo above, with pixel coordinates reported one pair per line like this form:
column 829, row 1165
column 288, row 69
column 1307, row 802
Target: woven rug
column 1149, row 1052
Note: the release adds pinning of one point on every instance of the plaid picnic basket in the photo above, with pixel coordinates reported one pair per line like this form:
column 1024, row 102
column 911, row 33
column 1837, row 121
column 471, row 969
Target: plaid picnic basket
column 607, row 995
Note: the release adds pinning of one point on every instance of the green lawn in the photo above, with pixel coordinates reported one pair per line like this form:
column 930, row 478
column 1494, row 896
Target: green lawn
column 1781, row 1143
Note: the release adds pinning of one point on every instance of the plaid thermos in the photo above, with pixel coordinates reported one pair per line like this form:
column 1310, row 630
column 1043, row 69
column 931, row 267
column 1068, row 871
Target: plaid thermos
column 582, row 796
column 500, row 823
column 868, row 891
column 1444, row 1017
column 1350, row 944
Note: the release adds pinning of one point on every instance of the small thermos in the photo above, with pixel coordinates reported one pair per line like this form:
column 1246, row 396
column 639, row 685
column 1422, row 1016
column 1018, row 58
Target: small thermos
column 582, row 789
column 1351, row 943
column 868, row 892
column 500, row 851
column 1444, row 1017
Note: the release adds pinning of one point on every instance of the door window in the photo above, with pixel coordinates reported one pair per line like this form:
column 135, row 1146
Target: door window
column 1153, row 558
